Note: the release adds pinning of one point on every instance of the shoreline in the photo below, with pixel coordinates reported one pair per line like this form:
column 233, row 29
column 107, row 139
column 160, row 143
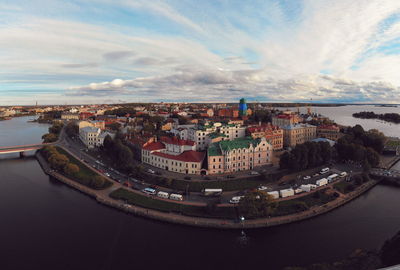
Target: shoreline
column 102, row 197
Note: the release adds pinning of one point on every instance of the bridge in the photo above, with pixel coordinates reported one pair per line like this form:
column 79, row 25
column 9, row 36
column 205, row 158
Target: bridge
column 22, row 148
column 388, row 173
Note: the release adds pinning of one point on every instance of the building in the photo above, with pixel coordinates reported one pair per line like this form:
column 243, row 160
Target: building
column 92, row 136
column 173, row 154
column 229, row 113
column 238, row 155
column 285, row 119
column 331, row 132
column 69, row 116
column 98, row 124
column 273, row 134
column 242, row 107
column 85, row 115
column 298, row 134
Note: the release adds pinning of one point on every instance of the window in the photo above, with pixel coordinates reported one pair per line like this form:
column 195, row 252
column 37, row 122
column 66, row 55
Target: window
column 213, row 159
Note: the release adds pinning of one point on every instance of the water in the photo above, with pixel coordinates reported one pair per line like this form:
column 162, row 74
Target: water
column 47, row 225
column 343, row 115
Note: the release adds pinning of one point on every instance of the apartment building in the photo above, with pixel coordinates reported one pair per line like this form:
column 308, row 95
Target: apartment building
column 298, row 134
column 273, row 134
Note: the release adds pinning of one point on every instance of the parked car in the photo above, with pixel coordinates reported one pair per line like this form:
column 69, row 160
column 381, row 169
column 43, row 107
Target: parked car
column 307, row 177
column 150, row 191
column 235, row 200
column 254, row 173
column 316, row 174
column 151, row 171
column 262, row 188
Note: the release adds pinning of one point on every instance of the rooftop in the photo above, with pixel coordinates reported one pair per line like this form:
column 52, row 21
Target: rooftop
column 154, row 146
column 187, row 156
column 176, row 141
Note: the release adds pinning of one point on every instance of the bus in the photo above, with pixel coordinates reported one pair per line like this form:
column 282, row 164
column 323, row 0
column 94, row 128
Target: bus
column 212, row 192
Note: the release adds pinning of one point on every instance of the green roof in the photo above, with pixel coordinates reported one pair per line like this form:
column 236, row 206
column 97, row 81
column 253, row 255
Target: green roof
column 240, row 143
column 214, row 150
column 216, row 135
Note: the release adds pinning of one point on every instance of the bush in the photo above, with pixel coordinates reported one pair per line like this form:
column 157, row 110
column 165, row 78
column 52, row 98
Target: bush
column 98, row 182
column 71, row 169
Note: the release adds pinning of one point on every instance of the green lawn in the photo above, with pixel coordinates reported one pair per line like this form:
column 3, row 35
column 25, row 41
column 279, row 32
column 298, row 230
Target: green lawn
column 85, row 174
column 344, row 187
column 166, row 206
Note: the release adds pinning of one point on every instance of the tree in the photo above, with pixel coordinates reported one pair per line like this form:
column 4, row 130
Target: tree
column 72, row 129
column 56, row 128
column 256, row 204
column 58, row 161
column 49, row 138
column 98, row 181
column 71, row 169
column 108, row 144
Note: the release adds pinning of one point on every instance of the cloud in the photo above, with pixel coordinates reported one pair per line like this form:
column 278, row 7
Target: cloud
column 117, row 55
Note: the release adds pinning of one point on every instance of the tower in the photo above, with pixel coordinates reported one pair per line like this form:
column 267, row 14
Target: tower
column 242, row 107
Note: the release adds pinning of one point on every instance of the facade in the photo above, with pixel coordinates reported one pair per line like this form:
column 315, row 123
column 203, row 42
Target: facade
column 98, row 124
column 238, row 155
column 70, row 116
column 298, row 134
column 283, row 120
column 173, row 154
column 273, row 134
column 92, row 136
column 242, row 107
column 331, row 132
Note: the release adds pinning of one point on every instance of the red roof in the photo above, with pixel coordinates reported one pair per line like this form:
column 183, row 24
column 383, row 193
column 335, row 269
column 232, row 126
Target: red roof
column 176, row 141
column 187, row 156
column 154, row 146
column 285, row 116
column 331, row 127
column 261, row 128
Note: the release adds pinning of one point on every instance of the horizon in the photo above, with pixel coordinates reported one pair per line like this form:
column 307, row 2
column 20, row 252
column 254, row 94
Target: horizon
column 114, row 52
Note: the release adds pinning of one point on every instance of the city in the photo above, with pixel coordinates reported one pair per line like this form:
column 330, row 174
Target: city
column 166, row 134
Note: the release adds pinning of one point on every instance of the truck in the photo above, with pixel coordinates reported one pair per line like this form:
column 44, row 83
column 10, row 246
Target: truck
column 176, row 197
column 210, row 192
column 322, row 182
column 286, row 192
column 274, row 194
column 332, row 177
column 305, row 188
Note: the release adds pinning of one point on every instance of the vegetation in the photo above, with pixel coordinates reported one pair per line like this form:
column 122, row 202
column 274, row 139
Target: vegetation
column 357, row 180
column 307, row 155
column 257, row 204
column 170, row 206
column 389, row 117
column 72, row 129
column 124, row 111
column 54, row 131
column 48, row 117
column 359, row 145
column 66, row 164
column 118, row 152
column 263, row 116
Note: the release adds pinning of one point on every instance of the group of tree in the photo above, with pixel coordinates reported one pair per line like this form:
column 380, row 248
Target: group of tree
column 389, row 117
column 263, row 116
column 54, row 131
column 361, row 146
column 256, row 204
column 121, row 111
column 49, row 116
column 307, row 155
column 120, row 153
column 62, row 164
column 72, row 129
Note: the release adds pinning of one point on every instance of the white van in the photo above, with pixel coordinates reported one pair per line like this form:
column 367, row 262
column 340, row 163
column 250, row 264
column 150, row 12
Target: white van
column 150, row 191
column 324, row 170
column 163, row 194
column 235, row 200
column 176, row 197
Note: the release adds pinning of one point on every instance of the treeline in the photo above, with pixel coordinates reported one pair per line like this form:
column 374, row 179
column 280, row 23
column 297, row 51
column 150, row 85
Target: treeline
column 48, row 117
column 72, row 129
column 307, row 155
column 121, row 111
column 121, row 154
column 389, row 117
column 54, row 132
column 361, row 146
column 73, row 169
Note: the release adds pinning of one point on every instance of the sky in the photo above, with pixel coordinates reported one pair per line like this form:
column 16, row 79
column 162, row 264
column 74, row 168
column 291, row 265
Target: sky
column 116, row 51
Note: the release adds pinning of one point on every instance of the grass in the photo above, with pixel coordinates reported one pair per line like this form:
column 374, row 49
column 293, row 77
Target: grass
column 197, row 186
column 166, row 206
column 85, row 174
column 304, row 203
column 344, row 187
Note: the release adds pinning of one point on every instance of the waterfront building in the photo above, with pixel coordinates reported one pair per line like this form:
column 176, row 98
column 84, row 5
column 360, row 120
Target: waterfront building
column 285, row 119
column 238, row 155
column 298, row 134
column 273, row 134
column 69, row 116
column 331, row 132
column 173, row 154
column 92, row 136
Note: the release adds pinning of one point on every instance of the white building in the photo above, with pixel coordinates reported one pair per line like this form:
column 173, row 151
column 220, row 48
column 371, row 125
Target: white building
column 92, row 136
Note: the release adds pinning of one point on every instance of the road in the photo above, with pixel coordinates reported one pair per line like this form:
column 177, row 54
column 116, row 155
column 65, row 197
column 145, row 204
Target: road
column 76, row 147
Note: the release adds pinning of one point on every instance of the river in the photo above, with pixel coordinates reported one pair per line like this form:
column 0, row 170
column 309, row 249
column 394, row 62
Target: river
column 47, row 225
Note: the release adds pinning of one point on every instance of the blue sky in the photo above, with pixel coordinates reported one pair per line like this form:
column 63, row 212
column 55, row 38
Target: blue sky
column 105, row 51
